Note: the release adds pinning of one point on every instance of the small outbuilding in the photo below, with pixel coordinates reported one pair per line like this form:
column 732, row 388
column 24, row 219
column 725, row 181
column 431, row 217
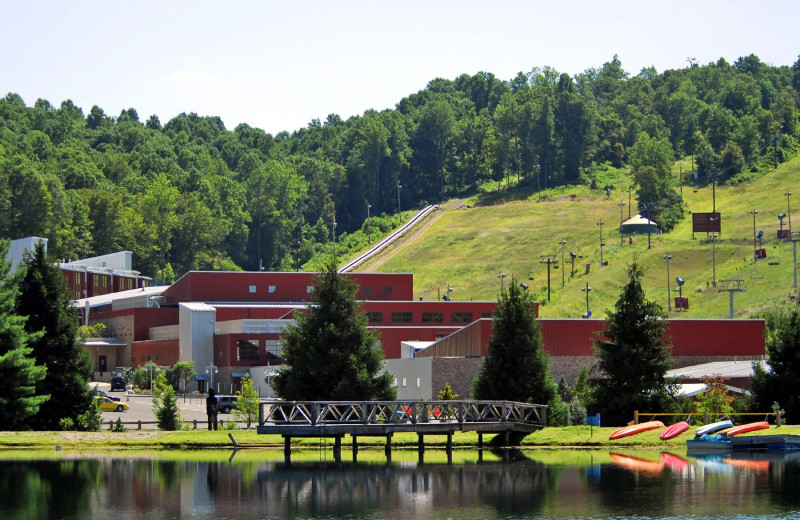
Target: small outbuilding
column 639, row 224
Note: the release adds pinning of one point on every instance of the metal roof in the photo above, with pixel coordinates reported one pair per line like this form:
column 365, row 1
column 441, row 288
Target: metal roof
column 725, row 369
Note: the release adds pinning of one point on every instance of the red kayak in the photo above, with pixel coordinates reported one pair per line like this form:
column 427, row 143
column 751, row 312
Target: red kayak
column 744, row 428
column 627, row 431
column 674, row 430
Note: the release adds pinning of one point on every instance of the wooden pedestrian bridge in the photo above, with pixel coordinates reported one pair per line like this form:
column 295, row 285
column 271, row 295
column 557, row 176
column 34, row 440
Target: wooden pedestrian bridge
column 335, row 419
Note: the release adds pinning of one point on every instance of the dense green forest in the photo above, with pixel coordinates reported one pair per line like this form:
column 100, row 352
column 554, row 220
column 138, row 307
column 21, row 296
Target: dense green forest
column 190, row 194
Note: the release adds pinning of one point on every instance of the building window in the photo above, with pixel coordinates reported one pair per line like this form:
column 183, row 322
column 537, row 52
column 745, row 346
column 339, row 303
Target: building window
column 462, row 317
column 77, row 278
column 246, row 350
column 252, row 289
column 432, row 317
column 368, row 289
column 404, row 382
column 402, row 317
column 271, row 289
column 388, row 289
column 375, row 317
column 273, row 346
column 419, row 382
column 486, row 315
column 310, row 289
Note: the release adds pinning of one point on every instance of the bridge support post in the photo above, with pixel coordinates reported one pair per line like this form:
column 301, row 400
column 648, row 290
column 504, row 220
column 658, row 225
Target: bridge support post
column 388, row 448
column 480, row 441
column 287, row 448
column 337, row 448
column 355, row 448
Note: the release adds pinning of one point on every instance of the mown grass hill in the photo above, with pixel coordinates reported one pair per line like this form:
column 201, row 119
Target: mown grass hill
column 468, row 244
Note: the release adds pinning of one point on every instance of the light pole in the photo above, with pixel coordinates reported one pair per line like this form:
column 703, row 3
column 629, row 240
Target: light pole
column 714, row 258
column 600, row 223
column 572, row 255
column 369, row 228
column 621, row 205
column 667, row 257
column 789, row 209
column 398, row 198
column 754, row 213
column 562, row 242
column 499, row 275
column 586, row 290
column 680, row 283
column 211, row 370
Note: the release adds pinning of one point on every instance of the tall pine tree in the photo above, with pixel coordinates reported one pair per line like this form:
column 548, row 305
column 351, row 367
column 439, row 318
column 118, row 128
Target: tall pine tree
column 634, row 357
column 331, row 354
column 782, row 383
column 44, row 301
column 517, row 367
column 18, row 372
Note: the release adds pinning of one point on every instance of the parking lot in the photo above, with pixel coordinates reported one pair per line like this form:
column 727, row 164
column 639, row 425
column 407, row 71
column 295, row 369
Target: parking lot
column 193, row 408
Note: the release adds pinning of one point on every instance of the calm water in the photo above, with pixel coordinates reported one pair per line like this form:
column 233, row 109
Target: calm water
column 518, row 485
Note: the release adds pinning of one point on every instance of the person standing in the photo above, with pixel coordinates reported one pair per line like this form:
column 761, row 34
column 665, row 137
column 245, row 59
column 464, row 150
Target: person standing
column 211, row 409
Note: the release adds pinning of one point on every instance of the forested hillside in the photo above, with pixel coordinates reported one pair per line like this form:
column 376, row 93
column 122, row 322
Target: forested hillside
column 191, row 194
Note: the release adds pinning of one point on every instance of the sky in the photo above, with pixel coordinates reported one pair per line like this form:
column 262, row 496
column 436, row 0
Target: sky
column 279, row 65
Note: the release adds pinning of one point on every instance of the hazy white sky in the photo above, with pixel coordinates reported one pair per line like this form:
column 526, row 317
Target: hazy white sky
column 278, row 65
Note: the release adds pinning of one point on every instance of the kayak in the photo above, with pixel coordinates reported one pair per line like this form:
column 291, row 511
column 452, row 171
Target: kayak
column 637, row 464
column 674, row 430
column 713, row 427
column 744, row 428
column 627, row 431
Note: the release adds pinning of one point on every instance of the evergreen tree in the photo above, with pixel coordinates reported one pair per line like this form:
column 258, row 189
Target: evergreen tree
column 634, row 357
column 517, row 367
column 330, row 354
column 44, row 301
column 165, row 404
column 782, row 383
column 18, row 372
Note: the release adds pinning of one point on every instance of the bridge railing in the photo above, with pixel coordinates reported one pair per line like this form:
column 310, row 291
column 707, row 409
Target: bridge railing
column 319, row 413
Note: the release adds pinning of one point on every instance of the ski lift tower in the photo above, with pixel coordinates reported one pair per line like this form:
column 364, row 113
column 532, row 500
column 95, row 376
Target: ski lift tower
column 732, row 286
column 794, row 237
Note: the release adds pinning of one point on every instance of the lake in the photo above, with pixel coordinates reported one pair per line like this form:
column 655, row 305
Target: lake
column 471, row 484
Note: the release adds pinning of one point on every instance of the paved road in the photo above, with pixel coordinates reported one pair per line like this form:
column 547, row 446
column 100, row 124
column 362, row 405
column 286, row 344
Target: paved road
column 141, row 409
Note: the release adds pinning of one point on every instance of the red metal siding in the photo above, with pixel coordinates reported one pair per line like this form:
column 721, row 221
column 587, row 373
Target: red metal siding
column 391, row 337
column 288, row 287
column 717, row 337
column 570, row 337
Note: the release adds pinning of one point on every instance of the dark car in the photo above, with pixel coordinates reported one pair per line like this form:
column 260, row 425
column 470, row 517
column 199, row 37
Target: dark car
column 103, row 394
column 226, row 403
column 117, row 383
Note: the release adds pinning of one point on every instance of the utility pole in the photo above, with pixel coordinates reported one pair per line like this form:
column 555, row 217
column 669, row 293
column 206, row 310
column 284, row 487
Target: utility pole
column 668, row 257
column 621, row 205
column 548, row 259
column 369, row 228
column 789, row 210
column 714, row 258
column 601, row 241
column 795, row 237
column 499, row 275
column 562, row 242
column 755, row 247
column 587, row 289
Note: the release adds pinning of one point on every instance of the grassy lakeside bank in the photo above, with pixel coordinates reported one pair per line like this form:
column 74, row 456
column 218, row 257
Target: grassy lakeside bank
column 554, row 437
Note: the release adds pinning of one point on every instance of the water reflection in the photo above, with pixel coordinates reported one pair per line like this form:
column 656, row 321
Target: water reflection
column 525, row 484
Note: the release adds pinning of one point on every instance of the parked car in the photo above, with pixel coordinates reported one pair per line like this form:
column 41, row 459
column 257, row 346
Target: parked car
column 117, row 383
column 226, row 403
column 103, row 394
column 107, row 405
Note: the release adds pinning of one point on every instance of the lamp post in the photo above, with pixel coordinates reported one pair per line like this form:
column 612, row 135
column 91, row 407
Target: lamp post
column 680, row 304
column 499, row 275
column 398, row 198
column 714, row 258
column 621, row 205
column 572, row 255
column 586, row 290
column 562, row 242
column 600, row 223
column 211, row 370
column 667, row 257
column 781, row 216
column 789, row 209
column 754, row 213
column 369, row 228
